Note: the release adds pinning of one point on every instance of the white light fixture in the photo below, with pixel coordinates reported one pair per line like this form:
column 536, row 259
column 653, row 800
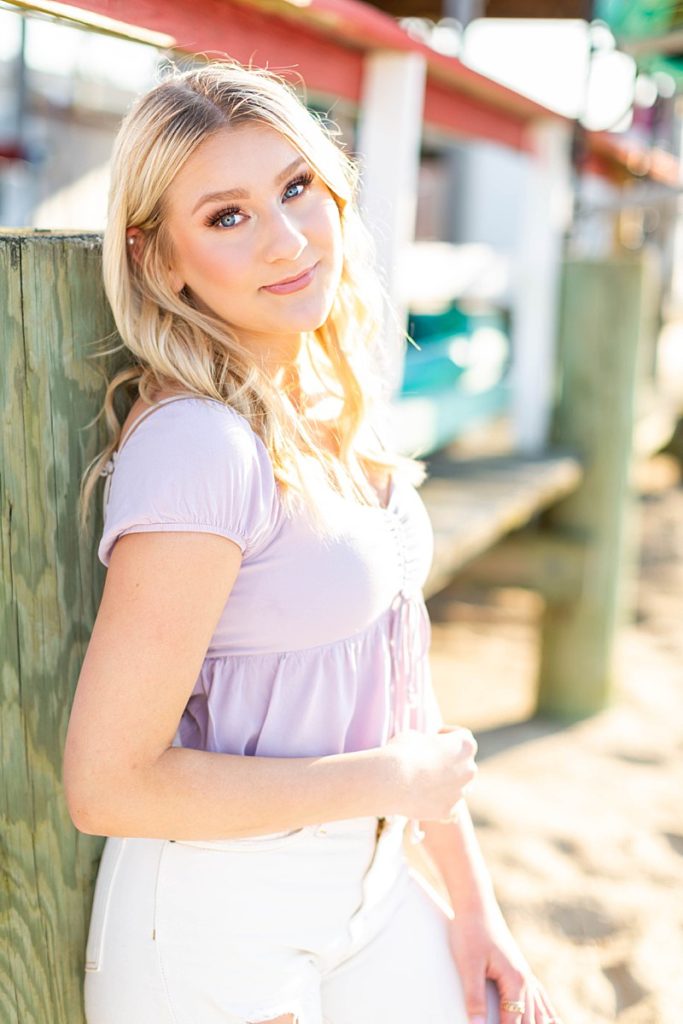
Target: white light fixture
column 645, row 91
column 666, row 84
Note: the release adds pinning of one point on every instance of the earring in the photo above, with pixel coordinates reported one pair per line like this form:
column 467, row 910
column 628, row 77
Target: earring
column 131, row 241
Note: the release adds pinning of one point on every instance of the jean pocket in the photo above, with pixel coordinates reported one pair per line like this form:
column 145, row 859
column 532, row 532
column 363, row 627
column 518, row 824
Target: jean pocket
column 250, row 844
column 99, row 912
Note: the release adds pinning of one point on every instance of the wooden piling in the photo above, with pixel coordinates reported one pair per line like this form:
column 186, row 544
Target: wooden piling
column 52, row 314
column 606, row 319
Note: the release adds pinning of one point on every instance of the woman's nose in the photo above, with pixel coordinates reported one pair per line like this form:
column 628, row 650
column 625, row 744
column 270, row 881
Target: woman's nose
column 286, row 240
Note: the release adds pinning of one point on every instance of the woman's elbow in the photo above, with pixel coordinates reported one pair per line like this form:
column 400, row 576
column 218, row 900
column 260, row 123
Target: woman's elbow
column 86, row 800
column 81, row 811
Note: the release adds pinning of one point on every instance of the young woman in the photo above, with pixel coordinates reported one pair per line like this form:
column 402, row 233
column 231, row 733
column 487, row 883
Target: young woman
column 254, row 724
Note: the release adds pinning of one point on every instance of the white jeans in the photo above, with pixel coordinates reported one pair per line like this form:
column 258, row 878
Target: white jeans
column 327, row 923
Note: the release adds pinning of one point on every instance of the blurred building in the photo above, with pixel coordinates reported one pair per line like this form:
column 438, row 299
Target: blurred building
column 546, row 138
column 63, row 91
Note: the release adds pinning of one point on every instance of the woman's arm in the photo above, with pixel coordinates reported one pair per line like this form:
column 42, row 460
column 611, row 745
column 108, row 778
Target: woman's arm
column 163, row 596
column 455, row 850
column 192, row 794
column 481, row 942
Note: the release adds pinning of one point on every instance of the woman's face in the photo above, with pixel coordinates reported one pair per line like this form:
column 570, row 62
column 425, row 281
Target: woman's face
column 273, row 225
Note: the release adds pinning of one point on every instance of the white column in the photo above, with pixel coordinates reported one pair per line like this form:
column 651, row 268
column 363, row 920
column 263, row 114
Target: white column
column 388, row 147
column 547, row 214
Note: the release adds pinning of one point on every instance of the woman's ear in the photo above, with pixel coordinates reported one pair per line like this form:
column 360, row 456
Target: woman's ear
column 134, row 243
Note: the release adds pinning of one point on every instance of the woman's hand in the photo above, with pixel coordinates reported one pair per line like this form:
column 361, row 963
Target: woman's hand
column 483, row 947
column 432, row 772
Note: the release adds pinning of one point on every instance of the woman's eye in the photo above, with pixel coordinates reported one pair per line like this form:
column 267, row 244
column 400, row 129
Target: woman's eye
column 218, row 218
column 304, row 180
column 301, row 182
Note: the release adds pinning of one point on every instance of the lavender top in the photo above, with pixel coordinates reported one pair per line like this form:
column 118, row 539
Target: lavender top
column 323, row 644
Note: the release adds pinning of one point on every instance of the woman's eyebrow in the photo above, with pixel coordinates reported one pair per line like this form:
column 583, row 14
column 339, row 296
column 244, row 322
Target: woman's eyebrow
column 240, row 193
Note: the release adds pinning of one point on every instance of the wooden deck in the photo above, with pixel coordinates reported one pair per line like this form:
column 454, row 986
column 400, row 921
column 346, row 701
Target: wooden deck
column 473, row 503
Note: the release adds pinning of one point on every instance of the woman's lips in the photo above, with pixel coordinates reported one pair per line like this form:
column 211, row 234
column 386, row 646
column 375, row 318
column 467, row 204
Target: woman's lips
column 292, row 286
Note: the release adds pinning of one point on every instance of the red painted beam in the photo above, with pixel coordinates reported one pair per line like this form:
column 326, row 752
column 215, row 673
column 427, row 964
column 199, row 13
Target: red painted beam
column 602, row 168
column 295, row 48
column 325, row 42
column 470, row 118
column 633, row 160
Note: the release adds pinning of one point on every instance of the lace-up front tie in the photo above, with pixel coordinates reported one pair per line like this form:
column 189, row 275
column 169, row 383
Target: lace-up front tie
column 406, row 627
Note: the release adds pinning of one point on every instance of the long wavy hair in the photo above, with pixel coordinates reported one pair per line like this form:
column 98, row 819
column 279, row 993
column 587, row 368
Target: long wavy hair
column 178, row 347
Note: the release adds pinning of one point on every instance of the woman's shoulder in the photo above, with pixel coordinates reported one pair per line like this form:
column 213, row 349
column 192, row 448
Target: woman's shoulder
column 191, row 408
column 190, row 464
column 191, row 441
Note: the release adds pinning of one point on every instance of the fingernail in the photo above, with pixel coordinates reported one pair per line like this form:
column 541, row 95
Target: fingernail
column 478, row 1020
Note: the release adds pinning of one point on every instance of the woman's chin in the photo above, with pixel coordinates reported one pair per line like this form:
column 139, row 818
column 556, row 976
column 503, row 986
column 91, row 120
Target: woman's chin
column 306, row 320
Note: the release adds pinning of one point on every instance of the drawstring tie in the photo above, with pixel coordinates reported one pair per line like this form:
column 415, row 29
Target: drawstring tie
column 408, row 704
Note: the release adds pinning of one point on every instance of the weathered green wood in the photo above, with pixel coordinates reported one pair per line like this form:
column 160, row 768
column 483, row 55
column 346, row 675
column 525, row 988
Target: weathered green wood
column 605, row 331
column 53, row 314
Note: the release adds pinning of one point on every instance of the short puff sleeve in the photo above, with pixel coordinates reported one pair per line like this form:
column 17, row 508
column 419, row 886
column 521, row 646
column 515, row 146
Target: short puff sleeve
column 191, row 465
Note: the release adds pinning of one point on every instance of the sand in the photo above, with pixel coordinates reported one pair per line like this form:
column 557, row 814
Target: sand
column 582, row 825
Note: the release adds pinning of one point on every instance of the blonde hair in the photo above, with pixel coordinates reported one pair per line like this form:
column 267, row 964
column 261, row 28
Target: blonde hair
column 179, row 347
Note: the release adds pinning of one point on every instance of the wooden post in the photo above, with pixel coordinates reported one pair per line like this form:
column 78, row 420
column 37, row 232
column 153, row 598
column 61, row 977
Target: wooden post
column 605, row 317
column 52, row 312
column 388, row 144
